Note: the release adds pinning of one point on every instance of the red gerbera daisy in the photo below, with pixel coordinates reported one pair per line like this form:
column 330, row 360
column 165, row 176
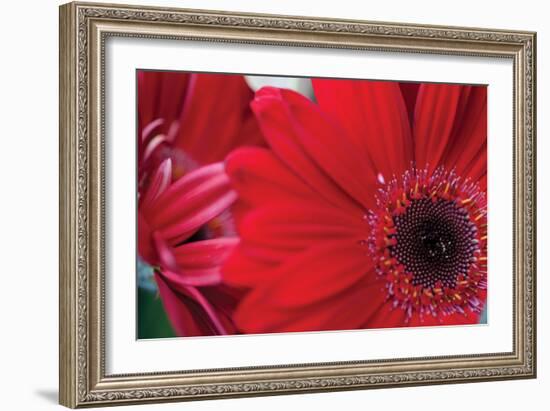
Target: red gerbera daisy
column 169, row 214
column 185, row 229
column 368, row 209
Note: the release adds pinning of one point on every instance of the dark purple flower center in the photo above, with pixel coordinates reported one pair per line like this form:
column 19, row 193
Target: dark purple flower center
column 436, row 241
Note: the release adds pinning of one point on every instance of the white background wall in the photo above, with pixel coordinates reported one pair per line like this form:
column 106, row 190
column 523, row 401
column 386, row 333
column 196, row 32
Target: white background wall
column 29, row 189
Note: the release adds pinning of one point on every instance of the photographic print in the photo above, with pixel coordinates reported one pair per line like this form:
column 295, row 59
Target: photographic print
column 277, row 204
column 257, row 204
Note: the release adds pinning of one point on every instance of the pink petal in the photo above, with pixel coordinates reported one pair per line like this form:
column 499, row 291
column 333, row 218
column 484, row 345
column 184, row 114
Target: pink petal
column 204, row 254
column 157, row 185
column 164, row 251
column 190, row 181
column 204, row 210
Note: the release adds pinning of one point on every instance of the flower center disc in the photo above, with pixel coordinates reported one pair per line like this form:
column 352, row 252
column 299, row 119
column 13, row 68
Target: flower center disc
column 435, row 242
column 429, row 242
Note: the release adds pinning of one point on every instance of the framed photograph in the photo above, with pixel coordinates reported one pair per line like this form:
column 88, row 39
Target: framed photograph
column 260, row 204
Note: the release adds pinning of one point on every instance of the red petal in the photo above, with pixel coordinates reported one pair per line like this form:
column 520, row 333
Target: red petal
column 216, row 117
column 316, row 274
column 164, row 251
column 259, row 176
column 427, row 320
column 469, row 317
column 312, row 146
column 469, row 136
column 483, row 183
column 146, row 248
column 203, row 309
column 183, row 318
column 435, row 113
column 387, row 316
column 209, row 309
column 161, row 95
column 410, row 93
column 476, row 170
column 350, row 311
column 375, row 117
column 225, row 299
column 299, row 224
column 346, row 310
column 241, row 269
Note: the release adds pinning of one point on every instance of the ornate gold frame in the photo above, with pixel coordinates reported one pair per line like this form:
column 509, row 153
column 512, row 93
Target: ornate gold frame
column 83, row 30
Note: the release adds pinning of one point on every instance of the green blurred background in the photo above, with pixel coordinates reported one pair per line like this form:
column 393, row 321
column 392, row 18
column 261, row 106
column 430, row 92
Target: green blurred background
column 152, row 321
